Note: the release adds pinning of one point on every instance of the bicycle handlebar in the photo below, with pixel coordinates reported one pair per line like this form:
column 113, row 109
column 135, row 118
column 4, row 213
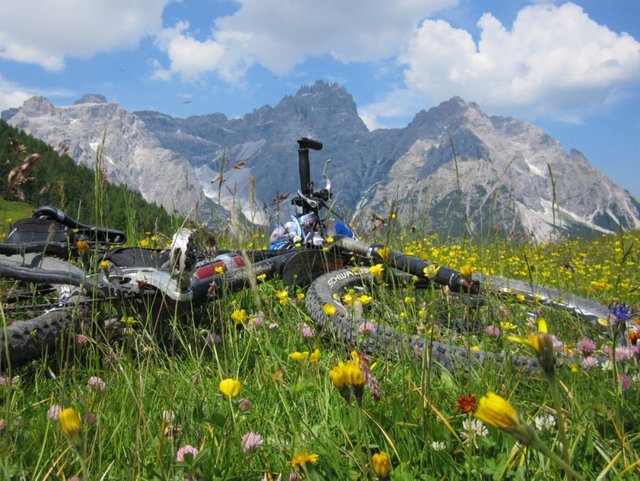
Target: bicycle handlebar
column 97, row 234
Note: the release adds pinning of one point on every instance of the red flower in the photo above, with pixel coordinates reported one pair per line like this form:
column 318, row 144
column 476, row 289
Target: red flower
column 466, row 404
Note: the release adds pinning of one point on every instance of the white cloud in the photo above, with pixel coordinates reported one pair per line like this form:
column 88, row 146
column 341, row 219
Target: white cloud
column 553, row 61
column 11, row 95
column 281, row 34
column 45, row 32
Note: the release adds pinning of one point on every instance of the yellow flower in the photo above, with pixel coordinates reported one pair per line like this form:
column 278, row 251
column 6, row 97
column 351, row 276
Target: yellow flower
column 104, row 264
column 219, row 270
column 542, row 344
column 304, row 458
column 329, row 309
column 431, row 270
column 348, row 299
column 261, row 277
column 365, row 299
column 315, row 356
column 230, row 388
column 329, row 240
column 299, row 356
column 354, row 373
column 466, row 271
column 377, row 270
column 282, row 296
column 496, row 412
column 381, row 464
column 70, row 422
column 384, row 253
column 239, row 316
column 507, row 326
column 300, row 295
column 339, row 375
column 82, row 245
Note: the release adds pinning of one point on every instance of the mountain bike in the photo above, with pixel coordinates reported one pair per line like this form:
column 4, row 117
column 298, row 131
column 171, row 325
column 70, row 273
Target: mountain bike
column 60, row 276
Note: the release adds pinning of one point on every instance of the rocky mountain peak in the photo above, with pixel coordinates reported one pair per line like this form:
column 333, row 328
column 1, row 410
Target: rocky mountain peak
column 91, row 99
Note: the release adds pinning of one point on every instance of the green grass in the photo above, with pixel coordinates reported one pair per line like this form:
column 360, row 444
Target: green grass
column 128, row 433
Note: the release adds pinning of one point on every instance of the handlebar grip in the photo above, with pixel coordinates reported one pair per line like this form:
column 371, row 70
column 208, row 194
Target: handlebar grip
column 307, row 143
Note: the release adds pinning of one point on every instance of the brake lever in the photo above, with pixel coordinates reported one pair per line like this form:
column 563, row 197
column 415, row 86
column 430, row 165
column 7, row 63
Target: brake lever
column 310, row 202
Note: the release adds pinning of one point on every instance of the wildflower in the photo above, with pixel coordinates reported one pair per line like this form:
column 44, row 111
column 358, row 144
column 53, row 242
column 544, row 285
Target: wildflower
column 542, row 344
column 239, row 316
column 438, row 445
column 625, row 381
column 97, row 384
column 306, row 331
column 81, row 339
column 507, row 326
column 466, row 404
column 261, row 277
column 245, row 404
column 492, row 331
column 633, row 337
column 431, row 270
column 329, row 309
column 622, row 312
column 589, row 362
column 497, row 412
column 366, row 327
column 586, row 347
column 314, row 356
column 381, row 465
column 282, row 296
column 54, row 412
column 384, row 253
column 230, row 388
column 273, row 325
column 82, row 245
column 251, row 441
column 466, row 271
column 299, row 356
column 376, row 270
column 365, row 299
column 303, row 459
column 544, row 422
column 186, row 453
column 104, row 265
column 473, row 429
column 71, row 424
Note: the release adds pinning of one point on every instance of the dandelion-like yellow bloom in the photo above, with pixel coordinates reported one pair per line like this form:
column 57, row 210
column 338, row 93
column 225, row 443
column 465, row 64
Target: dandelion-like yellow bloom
column 299, row 356
column 466, row 271
column 70, row 422
column 339, row 375
column 542, row 344
column 304, row 458
column 239, row 316
column 329, row 309
column 230, row 387
column 497, row 412
column 315, row 356
column 354, row 374
column 261, row 277
column 104, row 264
column 377, row 270
column 381, row 464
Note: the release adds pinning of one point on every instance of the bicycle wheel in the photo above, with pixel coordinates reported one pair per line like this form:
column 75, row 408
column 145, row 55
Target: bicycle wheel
column 446, row 327
column 39, row 303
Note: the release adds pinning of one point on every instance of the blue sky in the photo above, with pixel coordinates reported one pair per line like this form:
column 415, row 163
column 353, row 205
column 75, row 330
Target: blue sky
column 572, row 68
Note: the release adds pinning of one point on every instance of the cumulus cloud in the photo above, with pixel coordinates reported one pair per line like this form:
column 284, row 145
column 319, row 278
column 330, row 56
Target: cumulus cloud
column 11, row 95
column 45, row 32
column 279, row 35
column 552, row 61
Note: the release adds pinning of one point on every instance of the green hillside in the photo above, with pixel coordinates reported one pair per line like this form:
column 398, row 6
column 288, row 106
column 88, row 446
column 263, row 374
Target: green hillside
column 32, row 174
